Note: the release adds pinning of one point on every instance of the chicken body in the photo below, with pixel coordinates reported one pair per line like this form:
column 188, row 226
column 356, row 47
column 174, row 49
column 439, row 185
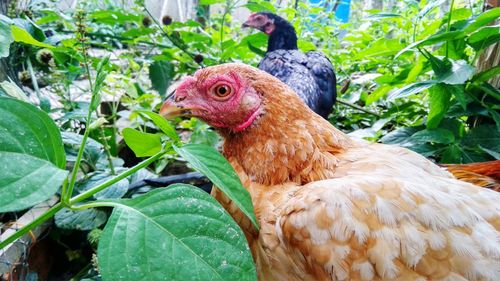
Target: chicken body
column 309, row 74
column 334, row 208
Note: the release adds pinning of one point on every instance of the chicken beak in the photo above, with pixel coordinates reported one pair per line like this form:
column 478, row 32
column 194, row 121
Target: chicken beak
column 246, row 24
column 170, row 109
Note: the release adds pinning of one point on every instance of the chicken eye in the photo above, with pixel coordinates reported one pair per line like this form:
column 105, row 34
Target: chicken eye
column 222, row 90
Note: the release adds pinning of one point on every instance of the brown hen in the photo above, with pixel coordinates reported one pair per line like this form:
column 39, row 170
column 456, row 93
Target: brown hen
column 335, row 208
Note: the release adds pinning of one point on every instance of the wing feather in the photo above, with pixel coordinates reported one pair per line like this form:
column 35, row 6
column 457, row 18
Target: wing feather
column 367, row 226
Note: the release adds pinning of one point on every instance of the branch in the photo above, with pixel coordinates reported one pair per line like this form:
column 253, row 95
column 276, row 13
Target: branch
column 355, row 106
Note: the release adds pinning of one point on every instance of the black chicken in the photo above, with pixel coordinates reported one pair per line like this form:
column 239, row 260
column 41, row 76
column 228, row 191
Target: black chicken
column 310, row 75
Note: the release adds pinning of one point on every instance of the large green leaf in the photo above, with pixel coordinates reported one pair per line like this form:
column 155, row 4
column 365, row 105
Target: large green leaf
column 6, row 39
column 486, row 75
column 80, row 220
column 175, row 233
column 143, row 144
column 411, row 89
column 116, row 190
column 482, row 20
column 215, row 167
column 438, row 135
column 459, row 72
column 26, row 180
column 28, row 130
column 439, row 102
column 161, row 74
column 486, row 136
column 163, row 124
column 484, row 37
column 23, row 36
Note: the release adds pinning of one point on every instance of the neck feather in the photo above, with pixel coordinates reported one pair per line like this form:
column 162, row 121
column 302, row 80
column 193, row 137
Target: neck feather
column 287, row 143
column 282, row 38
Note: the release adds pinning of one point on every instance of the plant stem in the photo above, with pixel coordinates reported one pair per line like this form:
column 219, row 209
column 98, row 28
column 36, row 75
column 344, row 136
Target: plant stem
column 106, row 148
column 76, row 167
column 121, row 38
column 27, row 228
column 448, row 25
column 33, row 78
column 357, row 107
column 94, row 190
column 57, row 207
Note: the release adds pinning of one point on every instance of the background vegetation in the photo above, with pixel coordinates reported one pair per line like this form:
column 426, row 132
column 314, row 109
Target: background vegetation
column 410, row 75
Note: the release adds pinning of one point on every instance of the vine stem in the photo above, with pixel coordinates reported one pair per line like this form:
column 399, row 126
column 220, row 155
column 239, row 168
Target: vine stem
column 59, row 206
column 94, row 190
column 449, row 24
column 65, row 197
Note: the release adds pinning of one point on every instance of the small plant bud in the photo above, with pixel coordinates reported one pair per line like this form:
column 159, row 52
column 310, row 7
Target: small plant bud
column 24, row 77
column 198, row 58
column 45, row 56
column 146, row 21
column 166, row 20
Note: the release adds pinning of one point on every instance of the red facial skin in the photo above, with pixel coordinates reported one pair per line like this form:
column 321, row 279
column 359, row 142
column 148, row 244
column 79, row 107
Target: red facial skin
column 235, row 111
column 260, row 22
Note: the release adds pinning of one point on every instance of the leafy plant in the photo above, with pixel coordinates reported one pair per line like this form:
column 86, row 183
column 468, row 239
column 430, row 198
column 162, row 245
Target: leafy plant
column 409, row 75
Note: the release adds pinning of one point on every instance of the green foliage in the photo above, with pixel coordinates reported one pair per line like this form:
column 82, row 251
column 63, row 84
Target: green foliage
column 28, row 130
column 209, row 162
column 5, row 38
column 143, row 144
column 203, row 243
column 26, row 181
column 411, row 66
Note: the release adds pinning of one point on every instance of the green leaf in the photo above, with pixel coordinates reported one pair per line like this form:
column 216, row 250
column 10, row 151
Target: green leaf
column 116, row 190
column 6, row 39
column 379, row 16
column 483, row 19
column 21, row 35
column 210, row 2
column 411, row 89
column 378, row 94
column 494, row 154
column 14, row 91
column 102, row 72
column 438, row 135
column 486, row 136
column 260, row 6
column 400, row 136
column 439, row 102
column 452, row 154
column 163, row 124
column 484, row 37
column 28, row 130
column 26, row 180
column 429, row 7
column 161, row 74
column 215, row 167
column 431, row 40
column 381, row 47
column 175, row 233
column 143, row 144
column 486, row 75
column 80, row 220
